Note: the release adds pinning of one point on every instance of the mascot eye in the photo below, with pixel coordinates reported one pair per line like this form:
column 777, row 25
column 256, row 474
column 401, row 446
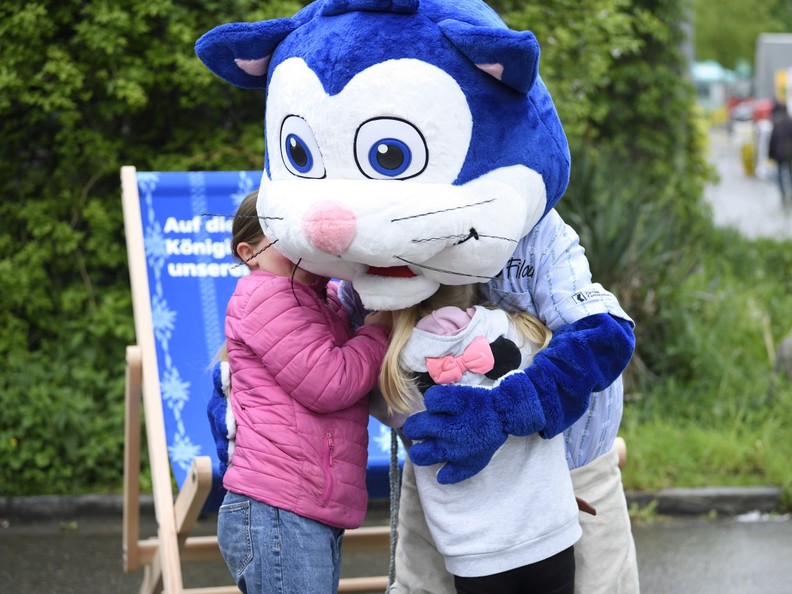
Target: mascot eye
column 387, row 148
column 299, row 149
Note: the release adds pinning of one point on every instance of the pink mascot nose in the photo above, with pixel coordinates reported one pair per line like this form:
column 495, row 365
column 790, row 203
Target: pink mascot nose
column 329, row 227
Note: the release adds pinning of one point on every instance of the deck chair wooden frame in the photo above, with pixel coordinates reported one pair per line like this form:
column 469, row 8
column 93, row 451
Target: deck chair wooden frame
column 161, row 556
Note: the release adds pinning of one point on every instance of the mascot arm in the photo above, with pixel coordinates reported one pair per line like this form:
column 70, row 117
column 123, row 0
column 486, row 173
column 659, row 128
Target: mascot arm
column 583, row 357
column 463, row 426
column 221, row 417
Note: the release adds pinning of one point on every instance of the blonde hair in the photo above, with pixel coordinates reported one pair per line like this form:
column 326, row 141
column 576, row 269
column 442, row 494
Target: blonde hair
column 222, row 353
column 397, row 387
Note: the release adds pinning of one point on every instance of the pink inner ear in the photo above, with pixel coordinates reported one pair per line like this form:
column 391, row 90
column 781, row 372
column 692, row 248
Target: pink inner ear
column 494, row 70
column 254, row 67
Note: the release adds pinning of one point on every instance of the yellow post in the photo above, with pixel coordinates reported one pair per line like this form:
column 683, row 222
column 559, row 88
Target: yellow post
column 749, row 162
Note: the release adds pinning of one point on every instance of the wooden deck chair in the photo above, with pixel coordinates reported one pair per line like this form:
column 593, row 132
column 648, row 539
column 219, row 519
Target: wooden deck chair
column 182, row 276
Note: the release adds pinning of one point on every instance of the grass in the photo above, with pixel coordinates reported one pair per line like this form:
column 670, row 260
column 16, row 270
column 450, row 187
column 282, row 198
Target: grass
column 668, row 452
column 715, row 412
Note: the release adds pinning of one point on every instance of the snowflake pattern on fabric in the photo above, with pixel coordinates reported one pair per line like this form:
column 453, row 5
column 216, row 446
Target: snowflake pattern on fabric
column 183, row 450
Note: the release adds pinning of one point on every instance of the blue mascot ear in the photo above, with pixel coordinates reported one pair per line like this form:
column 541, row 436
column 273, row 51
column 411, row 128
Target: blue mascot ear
column 239, row 53
column 510, row 56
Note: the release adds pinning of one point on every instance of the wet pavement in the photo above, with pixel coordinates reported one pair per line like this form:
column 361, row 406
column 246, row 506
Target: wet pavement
column 749, row 554
column 749, row 203
column 745, row 554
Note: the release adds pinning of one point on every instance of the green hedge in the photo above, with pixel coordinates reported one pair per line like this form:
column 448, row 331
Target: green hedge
column 86, row 87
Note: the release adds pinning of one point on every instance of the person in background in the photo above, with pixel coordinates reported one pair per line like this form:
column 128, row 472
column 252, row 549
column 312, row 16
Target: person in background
column 780, row 151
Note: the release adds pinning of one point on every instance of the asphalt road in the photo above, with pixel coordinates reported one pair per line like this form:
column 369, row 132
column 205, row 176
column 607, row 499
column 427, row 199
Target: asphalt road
column 749, row 554
column 748, row 203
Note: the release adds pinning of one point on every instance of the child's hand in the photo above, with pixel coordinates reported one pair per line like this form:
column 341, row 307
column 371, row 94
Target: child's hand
column 379, row 317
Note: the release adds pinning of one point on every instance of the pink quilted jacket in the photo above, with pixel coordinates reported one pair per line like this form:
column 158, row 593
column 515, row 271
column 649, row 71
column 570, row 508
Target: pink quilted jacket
column 300, row 377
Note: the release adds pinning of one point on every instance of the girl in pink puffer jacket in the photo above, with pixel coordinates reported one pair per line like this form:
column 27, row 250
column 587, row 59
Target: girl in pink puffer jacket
column 300, row 380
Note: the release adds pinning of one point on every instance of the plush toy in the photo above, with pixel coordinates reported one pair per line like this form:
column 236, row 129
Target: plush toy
column 412, row 144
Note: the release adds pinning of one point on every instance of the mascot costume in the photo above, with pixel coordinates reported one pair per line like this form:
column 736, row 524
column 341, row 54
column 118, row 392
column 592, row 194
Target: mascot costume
column 412, row 144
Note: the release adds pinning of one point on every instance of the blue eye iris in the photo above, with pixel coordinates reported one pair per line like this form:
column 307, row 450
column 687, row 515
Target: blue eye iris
column 390, row 157
column 298, row 153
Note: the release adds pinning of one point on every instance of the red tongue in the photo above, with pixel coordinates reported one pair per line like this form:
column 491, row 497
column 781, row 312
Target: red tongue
column 392, row 271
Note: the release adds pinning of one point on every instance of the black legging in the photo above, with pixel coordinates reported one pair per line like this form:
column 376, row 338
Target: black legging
column 554, row 575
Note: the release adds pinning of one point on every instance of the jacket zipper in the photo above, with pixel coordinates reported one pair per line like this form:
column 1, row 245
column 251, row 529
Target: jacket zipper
column 327, row 465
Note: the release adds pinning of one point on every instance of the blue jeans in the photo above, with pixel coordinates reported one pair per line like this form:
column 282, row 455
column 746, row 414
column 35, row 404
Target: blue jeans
column 272, row 551
column 785, row 181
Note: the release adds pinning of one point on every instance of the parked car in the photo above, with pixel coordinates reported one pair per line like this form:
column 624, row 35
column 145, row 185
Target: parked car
column 750, row 110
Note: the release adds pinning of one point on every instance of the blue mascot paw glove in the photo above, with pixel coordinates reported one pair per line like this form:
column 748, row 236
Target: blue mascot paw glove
column 221, row 417
column 464, row 426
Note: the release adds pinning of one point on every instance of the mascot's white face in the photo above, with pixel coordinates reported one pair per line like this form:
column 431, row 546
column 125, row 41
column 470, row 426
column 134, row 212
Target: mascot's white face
column 363, row 189
column 409, row 143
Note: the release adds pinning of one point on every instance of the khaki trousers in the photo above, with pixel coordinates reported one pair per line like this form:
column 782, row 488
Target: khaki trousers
column 605, row 557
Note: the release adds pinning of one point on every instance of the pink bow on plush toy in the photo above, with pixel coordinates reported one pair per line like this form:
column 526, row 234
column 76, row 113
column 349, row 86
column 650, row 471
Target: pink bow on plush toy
column 477, row 358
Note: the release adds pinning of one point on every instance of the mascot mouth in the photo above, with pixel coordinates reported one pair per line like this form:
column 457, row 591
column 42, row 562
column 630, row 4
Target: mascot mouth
column 391, row 271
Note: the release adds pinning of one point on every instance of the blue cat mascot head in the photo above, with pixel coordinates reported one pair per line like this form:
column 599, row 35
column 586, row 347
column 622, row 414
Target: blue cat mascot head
column 410, row 143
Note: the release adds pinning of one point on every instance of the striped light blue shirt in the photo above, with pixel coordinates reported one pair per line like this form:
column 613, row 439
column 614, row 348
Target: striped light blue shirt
column 549, row 276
